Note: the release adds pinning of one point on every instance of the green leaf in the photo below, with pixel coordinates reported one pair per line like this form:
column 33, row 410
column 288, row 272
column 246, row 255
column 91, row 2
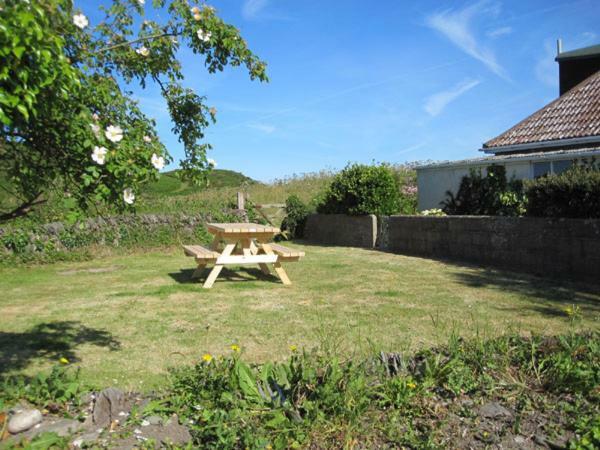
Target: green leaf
column 247, row 382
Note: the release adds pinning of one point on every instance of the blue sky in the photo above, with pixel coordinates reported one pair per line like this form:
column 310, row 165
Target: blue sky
column 390, row 80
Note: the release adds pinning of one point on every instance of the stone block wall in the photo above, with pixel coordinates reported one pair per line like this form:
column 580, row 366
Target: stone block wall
column 339, row 229
column 565, row 248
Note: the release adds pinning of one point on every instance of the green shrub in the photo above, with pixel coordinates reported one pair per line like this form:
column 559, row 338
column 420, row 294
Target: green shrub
column 293, row 223
column 489, row 195
column 574, row 193
column 360, row 189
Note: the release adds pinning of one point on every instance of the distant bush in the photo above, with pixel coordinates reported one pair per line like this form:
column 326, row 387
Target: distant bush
column 361, row 189
column 489, row 195
column 574, row 193
column 293, row 224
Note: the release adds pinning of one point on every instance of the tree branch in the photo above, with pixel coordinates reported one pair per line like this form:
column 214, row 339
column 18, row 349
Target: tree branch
column 22, row 209
column 145, row 38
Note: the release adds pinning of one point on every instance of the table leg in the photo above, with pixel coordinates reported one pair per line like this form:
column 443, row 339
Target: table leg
column 277, row 265
column 198, row 271
column 254, row 251
column 214, row 273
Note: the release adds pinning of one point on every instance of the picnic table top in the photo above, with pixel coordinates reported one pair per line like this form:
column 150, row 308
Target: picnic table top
column 232, row 228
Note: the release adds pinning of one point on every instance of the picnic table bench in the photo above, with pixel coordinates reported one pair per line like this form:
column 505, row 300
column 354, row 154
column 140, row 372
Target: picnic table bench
column 244, row 243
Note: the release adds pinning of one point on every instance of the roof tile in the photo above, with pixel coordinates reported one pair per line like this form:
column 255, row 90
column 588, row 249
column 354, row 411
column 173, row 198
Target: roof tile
column 574, row 114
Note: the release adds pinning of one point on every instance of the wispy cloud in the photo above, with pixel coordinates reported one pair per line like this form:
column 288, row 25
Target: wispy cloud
column 263, row 127
column 456, row 25
column 546, row 69
column 499, row 32
column 436, row 103
column 252, row 8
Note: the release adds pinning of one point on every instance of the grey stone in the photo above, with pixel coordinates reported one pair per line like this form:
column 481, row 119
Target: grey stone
column 154, row 420
column 62, row 427
column 109, row 403
column 87, row 438
column 23, row 420
column 171, row 433
column 494, row 410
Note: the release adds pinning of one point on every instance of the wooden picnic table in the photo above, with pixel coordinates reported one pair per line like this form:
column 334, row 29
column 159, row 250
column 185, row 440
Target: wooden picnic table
column 243, row 243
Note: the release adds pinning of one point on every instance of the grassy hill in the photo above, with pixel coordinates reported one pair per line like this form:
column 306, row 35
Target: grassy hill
column 169, row 184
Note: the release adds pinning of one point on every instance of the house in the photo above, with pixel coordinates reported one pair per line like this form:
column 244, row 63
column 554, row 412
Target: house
column 548, row 141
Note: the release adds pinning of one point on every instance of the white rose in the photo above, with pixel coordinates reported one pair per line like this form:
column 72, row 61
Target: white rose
column 99, row 154
column 211, row 162
column 128, row 196
column 143, row 51
column 113, row 133
column 80, row 21
column 203, row 36
column 95, row 129
column 157, row 161
column 147, row 139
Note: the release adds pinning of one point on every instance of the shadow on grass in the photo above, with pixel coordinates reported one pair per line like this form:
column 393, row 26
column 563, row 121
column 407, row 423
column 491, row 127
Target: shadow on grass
column 544, row 295
column 184, row 276
column 49, row 341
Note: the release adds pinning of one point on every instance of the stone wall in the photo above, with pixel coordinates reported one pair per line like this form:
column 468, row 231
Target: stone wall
column 565, row 248
column 339, row 229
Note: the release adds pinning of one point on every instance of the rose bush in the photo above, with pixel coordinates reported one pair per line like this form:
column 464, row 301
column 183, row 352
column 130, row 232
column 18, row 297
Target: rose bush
column 67, row 120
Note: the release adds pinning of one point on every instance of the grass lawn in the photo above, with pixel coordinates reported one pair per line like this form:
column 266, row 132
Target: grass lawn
column 124, row 319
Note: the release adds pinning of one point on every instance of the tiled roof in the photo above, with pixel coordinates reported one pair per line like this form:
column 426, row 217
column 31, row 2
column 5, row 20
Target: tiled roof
column 575, row 114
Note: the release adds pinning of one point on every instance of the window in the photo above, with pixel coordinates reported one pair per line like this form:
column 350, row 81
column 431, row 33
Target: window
column 541, row 168
column 560, row 166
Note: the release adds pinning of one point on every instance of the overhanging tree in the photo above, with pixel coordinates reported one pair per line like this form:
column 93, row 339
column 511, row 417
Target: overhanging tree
column 67, row 120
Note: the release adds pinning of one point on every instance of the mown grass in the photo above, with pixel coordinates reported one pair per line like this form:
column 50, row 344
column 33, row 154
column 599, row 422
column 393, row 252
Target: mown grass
column 126, row 318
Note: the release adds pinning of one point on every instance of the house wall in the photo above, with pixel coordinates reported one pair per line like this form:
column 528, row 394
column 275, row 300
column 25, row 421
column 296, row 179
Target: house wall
column 433, row 182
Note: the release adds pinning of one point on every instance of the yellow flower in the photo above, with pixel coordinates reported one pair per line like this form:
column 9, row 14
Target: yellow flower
column 234, row 347
column 207, row 357
column 63, row 360
column 293, row 348
column 411, row 385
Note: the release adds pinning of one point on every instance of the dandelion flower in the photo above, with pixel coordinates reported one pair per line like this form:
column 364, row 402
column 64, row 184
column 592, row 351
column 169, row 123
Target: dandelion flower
column 147, row 139
column 211, row 162
column 234, row 347
column 293, row 348
column 63, row 360
column 128, row 196
column 80, row 21
column 113, row 133
column 203, row 36
column 207, row 357
column 411, row 385
column 99, row 154
column 157, row 161
column 142, row 51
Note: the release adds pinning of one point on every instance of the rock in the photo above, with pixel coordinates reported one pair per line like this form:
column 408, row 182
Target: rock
column 109, row 403
column 62, row 427
column 87, row 438
column 154, row 420
column 171, row 433
column 23, row 420
column 494, row 410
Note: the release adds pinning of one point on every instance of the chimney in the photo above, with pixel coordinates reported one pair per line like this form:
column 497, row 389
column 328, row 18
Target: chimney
column 576, row 65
